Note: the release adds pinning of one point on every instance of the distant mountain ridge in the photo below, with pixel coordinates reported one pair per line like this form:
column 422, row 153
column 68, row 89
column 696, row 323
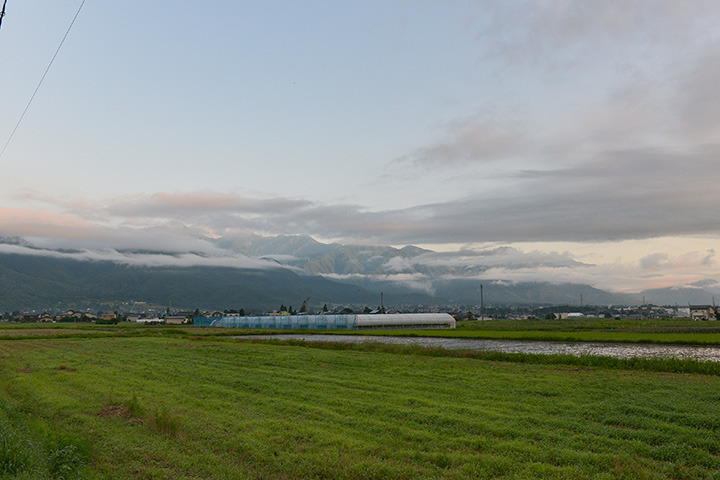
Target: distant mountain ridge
column 34, row 282
column 317, row 258
column 304, row 268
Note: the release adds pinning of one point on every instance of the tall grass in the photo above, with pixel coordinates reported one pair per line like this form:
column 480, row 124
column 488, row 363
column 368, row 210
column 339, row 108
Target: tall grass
column 163, row 421
column 159, row 418
column 29, row 450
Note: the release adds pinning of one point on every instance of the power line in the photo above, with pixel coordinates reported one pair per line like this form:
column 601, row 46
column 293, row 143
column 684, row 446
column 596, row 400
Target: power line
column 2, row 14
column 43, row 77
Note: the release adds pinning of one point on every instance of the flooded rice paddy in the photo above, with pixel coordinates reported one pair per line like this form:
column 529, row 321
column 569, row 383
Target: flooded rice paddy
column 616, row 350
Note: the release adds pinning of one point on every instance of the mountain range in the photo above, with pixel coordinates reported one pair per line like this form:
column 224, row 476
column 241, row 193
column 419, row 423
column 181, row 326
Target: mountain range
column 294, row 269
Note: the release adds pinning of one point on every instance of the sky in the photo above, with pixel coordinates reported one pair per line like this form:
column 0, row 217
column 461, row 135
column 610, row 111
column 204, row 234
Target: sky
column 578, row 137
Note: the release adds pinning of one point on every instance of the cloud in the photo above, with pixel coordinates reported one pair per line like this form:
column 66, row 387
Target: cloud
column 628, row 194
column 508, row 257
column 24, row 221
column 399, row 264
column 567, row 32
column 144, row 259
column 415, row 281
column 697, row 104
column 705, row 283
column 509, row 265
column 469, row 140
column 655, row 270
column 686, row 261
column 639, row 163
column 179, row 205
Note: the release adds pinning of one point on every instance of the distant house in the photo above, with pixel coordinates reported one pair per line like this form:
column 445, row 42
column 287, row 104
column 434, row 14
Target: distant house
column 175, row 319
column 149, row 321
column 76, row 314
column 703, row 312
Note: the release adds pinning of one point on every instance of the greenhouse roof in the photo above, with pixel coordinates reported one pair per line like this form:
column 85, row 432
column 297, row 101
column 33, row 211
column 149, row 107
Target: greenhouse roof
column 332, row 321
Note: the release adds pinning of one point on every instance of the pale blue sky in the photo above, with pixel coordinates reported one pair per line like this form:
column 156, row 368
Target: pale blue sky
column 587, row 126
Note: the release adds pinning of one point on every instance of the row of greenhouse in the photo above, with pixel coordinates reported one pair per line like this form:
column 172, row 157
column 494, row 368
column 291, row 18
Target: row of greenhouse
column 332, row 321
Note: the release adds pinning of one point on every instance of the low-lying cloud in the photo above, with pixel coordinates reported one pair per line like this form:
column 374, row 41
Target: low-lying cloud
column 144, row 259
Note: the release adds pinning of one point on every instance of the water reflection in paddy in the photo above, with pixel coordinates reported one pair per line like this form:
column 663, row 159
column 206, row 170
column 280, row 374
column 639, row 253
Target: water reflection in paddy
column 617, row 350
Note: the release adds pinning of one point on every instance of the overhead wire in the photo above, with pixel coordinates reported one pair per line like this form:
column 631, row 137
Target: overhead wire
column 43, row 77
column 2, row 13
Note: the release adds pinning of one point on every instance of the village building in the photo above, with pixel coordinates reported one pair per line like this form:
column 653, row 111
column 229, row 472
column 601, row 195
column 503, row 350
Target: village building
column 175, row 319
column 703, row 312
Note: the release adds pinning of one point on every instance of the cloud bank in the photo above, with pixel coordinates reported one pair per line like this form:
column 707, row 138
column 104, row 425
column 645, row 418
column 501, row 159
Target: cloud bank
column 144, row 259
column 597, row 122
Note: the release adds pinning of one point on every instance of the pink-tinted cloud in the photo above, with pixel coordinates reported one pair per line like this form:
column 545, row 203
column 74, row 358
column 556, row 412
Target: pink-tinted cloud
column 40, row 223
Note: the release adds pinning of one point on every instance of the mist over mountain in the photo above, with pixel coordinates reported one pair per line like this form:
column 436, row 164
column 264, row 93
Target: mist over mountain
column 33, row 282
column 681, row 296
column 259, row 273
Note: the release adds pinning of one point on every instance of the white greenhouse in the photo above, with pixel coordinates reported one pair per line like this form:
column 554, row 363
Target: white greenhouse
column 332, row 321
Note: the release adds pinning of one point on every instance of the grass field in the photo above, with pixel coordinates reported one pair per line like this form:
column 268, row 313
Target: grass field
column 619, row 325
column 175, row 406
column 668, row 331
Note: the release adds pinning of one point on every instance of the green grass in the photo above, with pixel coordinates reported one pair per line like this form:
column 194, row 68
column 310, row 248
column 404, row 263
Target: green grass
column 661, row 331
column 622, row 325
column 664, row 331
column 173, row 407
column 575, row 336
column 30, row 449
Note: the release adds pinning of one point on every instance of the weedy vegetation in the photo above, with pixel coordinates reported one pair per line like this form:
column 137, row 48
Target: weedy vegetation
column 31, row 449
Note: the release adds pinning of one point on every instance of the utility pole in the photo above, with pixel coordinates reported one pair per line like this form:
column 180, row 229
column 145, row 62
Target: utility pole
column 482, row 307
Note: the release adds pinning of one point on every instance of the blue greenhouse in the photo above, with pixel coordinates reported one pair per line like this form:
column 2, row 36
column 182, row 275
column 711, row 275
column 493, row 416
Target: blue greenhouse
column 332, row 321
